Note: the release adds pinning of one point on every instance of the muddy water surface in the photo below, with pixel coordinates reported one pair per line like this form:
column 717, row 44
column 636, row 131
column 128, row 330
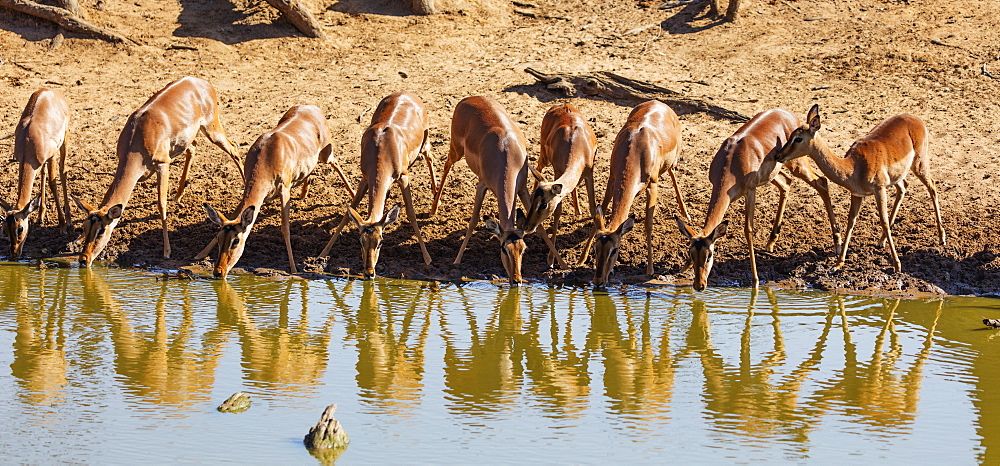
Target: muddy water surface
column 111, row 365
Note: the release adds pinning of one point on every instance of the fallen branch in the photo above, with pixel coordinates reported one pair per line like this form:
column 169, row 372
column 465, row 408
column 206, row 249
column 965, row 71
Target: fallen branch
column 294, row 12
column 65, row 19
column 988, row 74
column 613, row 86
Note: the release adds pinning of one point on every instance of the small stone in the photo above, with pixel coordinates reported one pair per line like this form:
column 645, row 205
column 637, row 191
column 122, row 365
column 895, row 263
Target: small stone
column 237, row 403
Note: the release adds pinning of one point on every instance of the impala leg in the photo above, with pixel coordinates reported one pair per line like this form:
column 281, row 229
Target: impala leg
column 347, row 186
column 588, row 179
column 286, row 225
column 781, row 182
column 162, row 183
column 362, row 189
column 473, row 221
column 453, row 156
column 900, row 192
column 920, row 169
column 550, row 242
column 750, row 205
column 651, row 198
column 593, row 230
column 555, row 231
column 42, row 182
column 852, row 218
column 576, row 202
column 188, row 155
column 881, row 201
column 213, row 130
column 305, row 188
column 426, row 147
column 208, row 249
column 677, row 192
column 67, row 211
column 53, row 186
column 404, row 187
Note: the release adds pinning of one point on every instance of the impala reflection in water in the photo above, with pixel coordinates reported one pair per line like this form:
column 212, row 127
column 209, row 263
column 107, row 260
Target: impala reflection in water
column 114, row 366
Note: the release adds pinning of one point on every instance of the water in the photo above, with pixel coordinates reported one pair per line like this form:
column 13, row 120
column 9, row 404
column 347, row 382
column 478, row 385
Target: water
column 112, row 365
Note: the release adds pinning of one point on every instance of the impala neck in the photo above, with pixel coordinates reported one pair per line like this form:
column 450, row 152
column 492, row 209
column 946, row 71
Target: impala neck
column 256, row 190
column 837, row 169
column 718, row 205
column 130, row 169
column 26, row 181
column 378, row 192
column 621, row 204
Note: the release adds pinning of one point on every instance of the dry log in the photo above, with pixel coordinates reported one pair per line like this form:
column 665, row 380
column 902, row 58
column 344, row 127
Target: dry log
column 613, row 86
column 65, row 19
column 72, row 6
column 296, row 14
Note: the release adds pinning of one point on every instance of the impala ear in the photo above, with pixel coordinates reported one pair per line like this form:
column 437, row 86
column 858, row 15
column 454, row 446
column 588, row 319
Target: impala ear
column 355, row 216
column 247, row 216
column 686, row 231
column 626, row 226
column 491, row 225
column 5, row 205
column 391, row 216
column 537, row 174
column 213, row 215
column 86, row 208
column 813, row 117
column 719, row 231
column 33, row 205
column 519, row 218
column 557, row 189
column 115, row 211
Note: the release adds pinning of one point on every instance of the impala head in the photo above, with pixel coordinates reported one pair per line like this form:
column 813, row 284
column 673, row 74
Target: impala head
column 97, row 227
column 801, row 141
column 512, row 246
column 701, row 251
column 231, row 238
column 544, row 201
column 15, row 224
column 371, row 236
column 606, row 244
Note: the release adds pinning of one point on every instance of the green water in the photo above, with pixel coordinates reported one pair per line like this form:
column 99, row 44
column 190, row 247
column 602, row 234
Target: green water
column 114, row 366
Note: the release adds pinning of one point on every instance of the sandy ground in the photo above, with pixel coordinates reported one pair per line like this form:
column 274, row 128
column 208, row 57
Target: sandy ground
column 861, row 60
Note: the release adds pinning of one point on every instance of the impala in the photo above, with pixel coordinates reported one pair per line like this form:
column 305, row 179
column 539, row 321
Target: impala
column 397, row 136
column 645, row 149
column 278, row 160
column 162, row 128
column 568, row 144
column 879, row 160
column 494, row 148
column 745, row 162
column 38, row 136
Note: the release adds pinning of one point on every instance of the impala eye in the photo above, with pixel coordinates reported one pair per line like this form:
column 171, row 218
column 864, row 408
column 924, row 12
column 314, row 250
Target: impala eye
column 236, row 242
column 798, row 140
column 20, row 231
column 613, row 251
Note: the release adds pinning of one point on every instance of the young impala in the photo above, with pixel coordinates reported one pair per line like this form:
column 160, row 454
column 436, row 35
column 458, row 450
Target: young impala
column 395, row 139
column 279, row 160
column 879, row 160
column 39, row 135
column 569, row 145
column 494, row 148
column 645, row 148
column 745, row 162
column 162, row 128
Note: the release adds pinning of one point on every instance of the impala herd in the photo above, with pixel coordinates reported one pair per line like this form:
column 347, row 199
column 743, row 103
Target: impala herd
column 495, row 149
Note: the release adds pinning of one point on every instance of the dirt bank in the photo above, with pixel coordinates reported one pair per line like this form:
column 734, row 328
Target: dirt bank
column 861, row 60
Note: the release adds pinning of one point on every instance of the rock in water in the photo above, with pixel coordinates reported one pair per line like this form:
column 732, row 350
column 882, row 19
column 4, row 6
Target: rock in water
column 327, row 439
column 995, row 323
column 237, row 403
